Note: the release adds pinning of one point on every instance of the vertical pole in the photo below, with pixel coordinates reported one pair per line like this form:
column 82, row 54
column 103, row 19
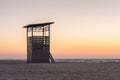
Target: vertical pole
column 43, row 39
column 49, row 37
column 32, row 35
column 43, row 35
column 32, row 44
column 27, row 45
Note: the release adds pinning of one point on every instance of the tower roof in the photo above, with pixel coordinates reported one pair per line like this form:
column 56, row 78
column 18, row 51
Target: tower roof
column 38, row 25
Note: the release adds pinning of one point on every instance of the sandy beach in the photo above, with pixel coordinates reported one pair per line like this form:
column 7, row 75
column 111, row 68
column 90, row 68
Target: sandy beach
column 60, row 71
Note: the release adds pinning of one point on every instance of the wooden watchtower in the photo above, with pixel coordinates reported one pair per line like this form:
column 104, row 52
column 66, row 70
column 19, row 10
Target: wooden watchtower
column 38, row 43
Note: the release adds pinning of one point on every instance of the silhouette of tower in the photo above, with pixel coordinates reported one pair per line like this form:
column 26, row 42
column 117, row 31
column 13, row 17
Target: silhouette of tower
column 38, row 43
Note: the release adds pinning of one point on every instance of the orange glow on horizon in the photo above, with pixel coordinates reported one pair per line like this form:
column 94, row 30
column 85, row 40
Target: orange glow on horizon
column 86, row 48
column 87, row 29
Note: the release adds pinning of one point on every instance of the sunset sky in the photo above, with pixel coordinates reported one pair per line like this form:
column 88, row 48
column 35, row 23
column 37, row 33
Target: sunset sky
column 82, row 29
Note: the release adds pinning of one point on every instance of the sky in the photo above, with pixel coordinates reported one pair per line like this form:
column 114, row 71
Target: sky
column 83, row 28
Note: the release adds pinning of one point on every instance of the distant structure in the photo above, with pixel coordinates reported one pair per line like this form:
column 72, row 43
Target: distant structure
column 38, row 43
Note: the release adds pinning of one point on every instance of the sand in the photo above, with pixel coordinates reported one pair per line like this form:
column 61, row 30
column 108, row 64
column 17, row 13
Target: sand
column 60, row 71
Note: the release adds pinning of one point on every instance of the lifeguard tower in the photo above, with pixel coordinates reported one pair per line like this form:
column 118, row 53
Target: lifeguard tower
column 38, row 43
